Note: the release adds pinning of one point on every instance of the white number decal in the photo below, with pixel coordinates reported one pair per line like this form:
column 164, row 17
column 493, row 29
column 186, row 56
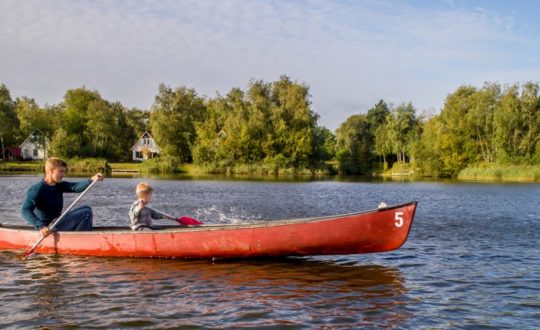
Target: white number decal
column 398, row 217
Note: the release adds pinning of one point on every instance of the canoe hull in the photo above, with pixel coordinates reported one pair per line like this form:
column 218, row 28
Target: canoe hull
column 366, row 232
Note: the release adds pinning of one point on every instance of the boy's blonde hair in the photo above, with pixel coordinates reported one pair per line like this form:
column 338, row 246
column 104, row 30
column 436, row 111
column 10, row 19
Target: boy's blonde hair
column 54, row 162
column 143, row 189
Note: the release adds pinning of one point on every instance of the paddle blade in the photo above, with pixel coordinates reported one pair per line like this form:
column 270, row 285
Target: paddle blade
column 26, row 254
column 188, row 221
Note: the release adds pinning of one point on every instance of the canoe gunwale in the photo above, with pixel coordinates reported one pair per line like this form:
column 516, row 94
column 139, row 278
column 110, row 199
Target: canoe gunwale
column 211, row 227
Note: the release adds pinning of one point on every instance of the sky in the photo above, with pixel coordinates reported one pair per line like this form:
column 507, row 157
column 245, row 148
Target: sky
column 350, row 53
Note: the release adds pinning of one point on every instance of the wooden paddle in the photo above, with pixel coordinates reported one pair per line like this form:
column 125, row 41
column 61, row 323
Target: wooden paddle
column 51, row 226
column 185, row 220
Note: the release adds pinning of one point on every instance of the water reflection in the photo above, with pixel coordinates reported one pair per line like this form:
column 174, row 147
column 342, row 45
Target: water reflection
column 265, row 292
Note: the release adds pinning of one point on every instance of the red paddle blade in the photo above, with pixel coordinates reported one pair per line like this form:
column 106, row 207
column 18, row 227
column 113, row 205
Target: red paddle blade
column 188, row 221
column 25, row 254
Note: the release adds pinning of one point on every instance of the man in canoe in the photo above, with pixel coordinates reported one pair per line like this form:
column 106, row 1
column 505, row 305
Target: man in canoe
column 44, row 200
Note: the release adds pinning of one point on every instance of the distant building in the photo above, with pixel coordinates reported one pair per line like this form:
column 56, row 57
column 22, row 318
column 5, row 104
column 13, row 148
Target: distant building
column 145, row 148
column 33, row 148
column 11, row 153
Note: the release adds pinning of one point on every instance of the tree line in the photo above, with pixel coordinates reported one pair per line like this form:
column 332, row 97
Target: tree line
column 273, row 125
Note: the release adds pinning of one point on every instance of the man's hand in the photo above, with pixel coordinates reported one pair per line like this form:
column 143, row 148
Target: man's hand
column 45, row 231
column 97, row 177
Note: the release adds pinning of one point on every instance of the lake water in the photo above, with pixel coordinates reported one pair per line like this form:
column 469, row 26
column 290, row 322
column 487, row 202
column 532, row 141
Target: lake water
column 471, row 261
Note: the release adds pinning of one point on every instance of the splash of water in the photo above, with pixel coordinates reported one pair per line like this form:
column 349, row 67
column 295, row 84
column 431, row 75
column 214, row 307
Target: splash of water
column 233, row 215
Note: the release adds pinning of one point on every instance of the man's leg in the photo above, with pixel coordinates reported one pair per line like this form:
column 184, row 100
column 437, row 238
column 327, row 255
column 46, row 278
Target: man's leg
column 79, row 219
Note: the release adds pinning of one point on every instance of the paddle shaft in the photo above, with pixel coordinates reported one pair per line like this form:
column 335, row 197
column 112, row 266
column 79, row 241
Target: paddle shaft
column 186, row 221
column 51, row 226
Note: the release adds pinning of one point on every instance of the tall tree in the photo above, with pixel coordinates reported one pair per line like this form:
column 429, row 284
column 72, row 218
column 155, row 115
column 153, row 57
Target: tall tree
column 480, row 120
column 102, row 128
column 293, row 122
column 173, row 119
column 458, row 149
column 426, row 150
column 378, row 131
column 530, row 118
column 31, row 117
column 402, row 131
column 9, row 123
column 75, row 120
column 352, row 145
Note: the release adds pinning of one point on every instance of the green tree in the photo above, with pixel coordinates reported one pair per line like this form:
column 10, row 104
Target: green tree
column 102, row 128
column 270, row 123
column 352, row 145
column 508, row 125
column 211, row 146
column 480, row 120
column 458, row 148
column 426, row 149
column 402, row 130
column 137, row 120
column 75, row 116
column 382, row 145
column 173, row 119
column 378, row 130
column 63, row 144
column 9, row 123
column 324, row 145
column 293, row 123
column 31, row 117
column 530, row 121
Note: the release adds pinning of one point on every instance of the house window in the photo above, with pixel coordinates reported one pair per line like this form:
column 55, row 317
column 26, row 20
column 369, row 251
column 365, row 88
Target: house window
column 138, row 154
column 35, row 153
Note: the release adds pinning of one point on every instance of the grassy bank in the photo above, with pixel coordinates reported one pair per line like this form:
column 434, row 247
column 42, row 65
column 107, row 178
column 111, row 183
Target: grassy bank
column 75, row 165
column 501, row 173
column 26, row 166
column 482, row 172
column 398, row 170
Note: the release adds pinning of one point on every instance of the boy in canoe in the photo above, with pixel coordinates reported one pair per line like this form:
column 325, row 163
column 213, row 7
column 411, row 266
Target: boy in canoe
column 139, row 215
column 44, row 200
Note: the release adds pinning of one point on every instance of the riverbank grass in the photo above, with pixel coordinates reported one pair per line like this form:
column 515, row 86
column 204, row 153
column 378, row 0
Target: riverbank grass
column 75, row 165
column 501, row 173
column 22, row 166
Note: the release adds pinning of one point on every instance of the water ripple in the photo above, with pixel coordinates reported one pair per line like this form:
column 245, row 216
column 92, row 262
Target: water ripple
column 471, row 262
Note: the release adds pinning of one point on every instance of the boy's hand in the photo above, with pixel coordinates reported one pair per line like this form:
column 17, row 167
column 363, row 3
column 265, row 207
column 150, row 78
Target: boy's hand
column 141, row 203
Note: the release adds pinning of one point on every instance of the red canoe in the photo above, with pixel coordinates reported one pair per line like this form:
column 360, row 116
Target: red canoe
column 380, row 230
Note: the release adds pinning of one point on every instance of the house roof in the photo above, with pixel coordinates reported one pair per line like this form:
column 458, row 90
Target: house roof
column 142, row 136
column 33, row 134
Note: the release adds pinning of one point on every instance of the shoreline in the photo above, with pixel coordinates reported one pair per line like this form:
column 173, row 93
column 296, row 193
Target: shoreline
column 479, row 173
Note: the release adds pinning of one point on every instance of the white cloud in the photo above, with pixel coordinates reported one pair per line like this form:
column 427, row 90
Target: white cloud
column 350, row 53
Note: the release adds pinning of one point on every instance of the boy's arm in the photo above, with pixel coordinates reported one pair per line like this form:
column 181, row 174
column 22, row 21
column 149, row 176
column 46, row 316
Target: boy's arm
column 134, row 212
column 156, row 215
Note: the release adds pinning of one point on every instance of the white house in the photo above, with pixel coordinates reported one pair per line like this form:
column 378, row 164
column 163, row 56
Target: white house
column 34, row 147
column 145, row 148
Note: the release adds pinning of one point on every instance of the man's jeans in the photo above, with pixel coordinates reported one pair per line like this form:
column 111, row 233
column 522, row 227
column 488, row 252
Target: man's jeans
column 79, row 219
